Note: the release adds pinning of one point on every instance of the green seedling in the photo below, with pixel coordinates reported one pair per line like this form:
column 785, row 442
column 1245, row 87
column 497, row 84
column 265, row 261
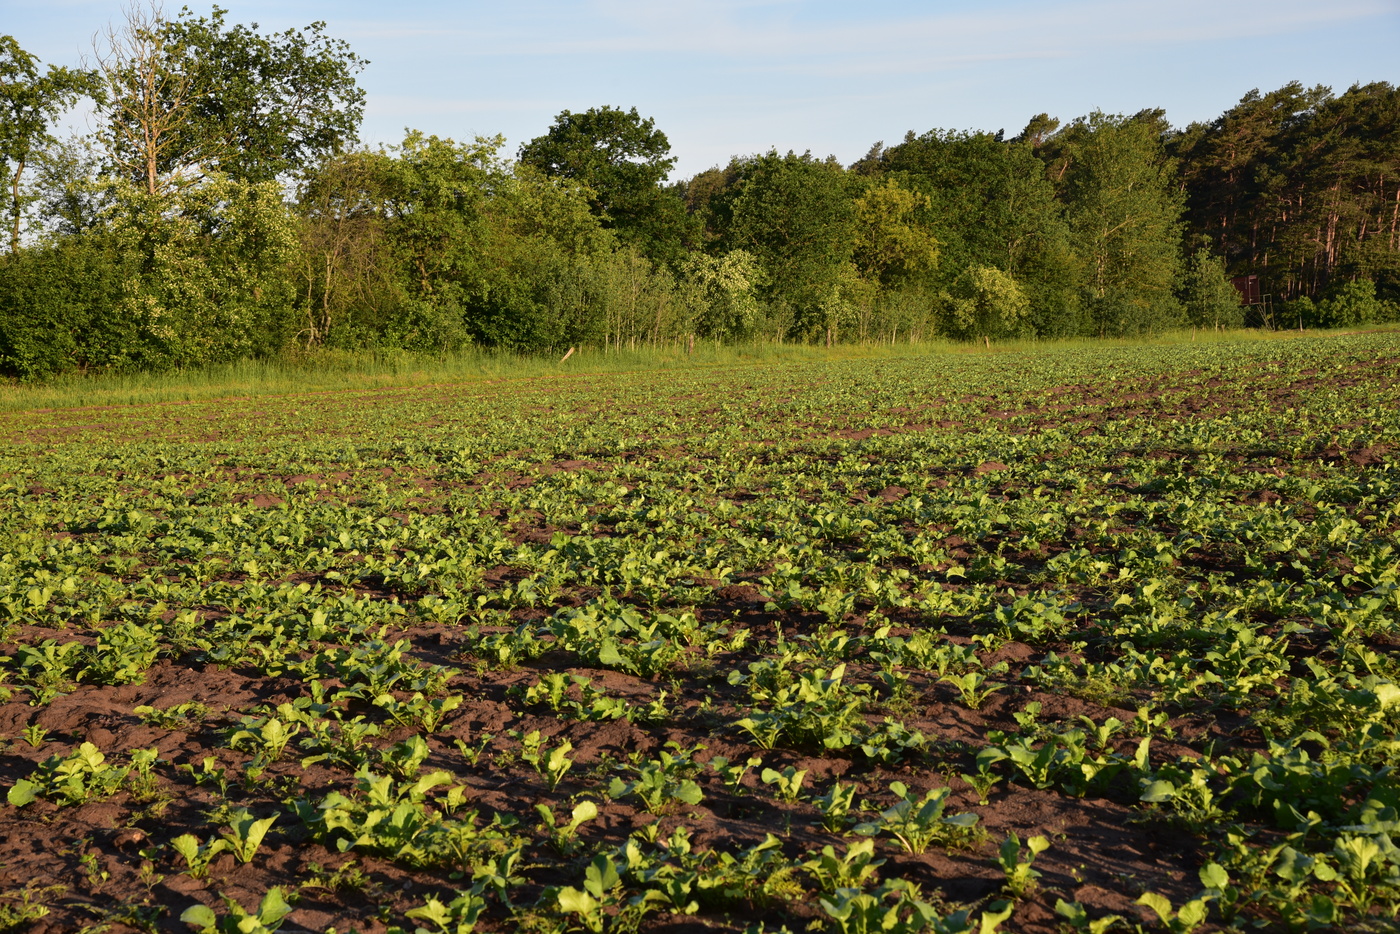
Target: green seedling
column 1028, row 716
column 1178, row 921
column 208, row 773
column 178, row 717
column 1020, row 876
column 245, row 834
column 857, row 869
column 198, row 856
column 973, row 688
column 659, row 784
column 918, row 823
column 982, row 781
column 425, row 713
column 458, row 916
column 788, row 781
column 268, row 738
column 1077, row 917
column 836, row 806
column 473, row 753
column 497, row 875
column 564, row 837
column 83, row 775
column 238, row 920
column 404, row 759
column 733, row 775
column 35, row 735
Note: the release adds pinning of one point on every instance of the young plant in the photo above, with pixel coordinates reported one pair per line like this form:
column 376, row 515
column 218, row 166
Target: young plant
column 473, row 753
column 1020, row 876
column 918, row 823
column 458, row 916
column 982, row 781
column 733, row 775
column 1189, row 917
column 836, row 806
column 551, row 764
column 245, row 834
column 564, row 837
column 1077, row 917
column 788, row 781
column 661, row 783
column 855, row 870
column 83, row 775
column 268, row 738
column 197, row 856
column 265, row 920
column 973, row 688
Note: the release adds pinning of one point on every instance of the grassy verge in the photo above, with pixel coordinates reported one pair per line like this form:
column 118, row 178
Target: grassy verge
column 330, row 371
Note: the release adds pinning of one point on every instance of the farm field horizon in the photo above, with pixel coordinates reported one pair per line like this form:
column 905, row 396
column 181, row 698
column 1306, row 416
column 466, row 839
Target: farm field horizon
column 1018, row 641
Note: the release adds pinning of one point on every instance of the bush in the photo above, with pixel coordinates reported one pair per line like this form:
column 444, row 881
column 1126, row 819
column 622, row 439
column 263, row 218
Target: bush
column 56, row 309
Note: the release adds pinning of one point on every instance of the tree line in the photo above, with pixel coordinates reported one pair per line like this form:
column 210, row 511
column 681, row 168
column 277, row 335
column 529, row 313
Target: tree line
column 223, row 209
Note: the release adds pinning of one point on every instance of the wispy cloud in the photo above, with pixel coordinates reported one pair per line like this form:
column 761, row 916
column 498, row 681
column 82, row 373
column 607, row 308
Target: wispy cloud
column 774, row 31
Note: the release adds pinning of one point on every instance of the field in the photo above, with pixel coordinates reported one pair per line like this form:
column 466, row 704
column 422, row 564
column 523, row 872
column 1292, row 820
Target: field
column 1001, row 641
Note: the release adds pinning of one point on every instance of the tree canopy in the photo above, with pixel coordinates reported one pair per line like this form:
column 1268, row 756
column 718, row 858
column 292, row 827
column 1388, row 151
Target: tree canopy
column 224, row 209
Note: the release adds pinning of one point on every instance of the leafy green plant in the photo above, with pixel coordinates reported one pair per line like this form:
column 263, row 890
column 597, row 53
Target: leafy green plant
column 245, row 834
column 1077, row 917
column 198, row 856
column 918, row 823
column 788, row 782
column 83, row 775
column 973, row 688
column 178, row 717
column 660, row 784
column 1178, row 921
column 1020, row 875
column 458, row 916
column 855, row 869
column 564, row 836
column 266, row 919
column 836, row 806
column 733, row 775
column 551, row 764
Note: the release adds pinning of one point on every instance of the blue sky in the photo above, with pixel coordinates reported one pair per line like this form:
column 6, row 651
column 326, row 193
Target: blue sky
column 727, row 77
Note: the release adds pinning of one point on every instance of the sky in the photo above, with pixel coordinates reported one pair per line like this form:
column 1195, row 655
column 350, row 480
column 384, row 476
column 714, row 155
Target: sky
column 734, row 77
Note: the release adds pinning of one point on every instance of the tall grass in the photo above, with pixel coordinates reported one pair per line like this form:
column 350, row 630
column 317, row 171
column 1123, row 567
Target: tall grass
column 329, row 371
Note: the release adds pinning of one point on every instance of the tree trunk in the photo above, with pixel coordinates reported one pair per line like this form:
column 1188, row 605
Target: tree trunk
column 14, row 190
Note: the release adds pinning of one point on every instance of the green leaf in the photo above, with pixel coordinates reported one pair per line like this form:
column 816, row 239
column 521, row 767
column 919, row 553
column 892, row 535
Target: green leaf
column 1158, row 791
column 571, row 899
column 23, row 792
column 273, row 907
column 200, row 916
column 689, row 792
column 1158, row 903
column 1214, row 876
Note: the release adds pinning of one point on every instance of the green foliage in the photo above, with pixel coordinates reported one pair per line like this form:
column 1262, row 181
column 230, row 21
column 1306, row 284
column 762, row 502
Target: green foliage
column 29, row 103
column 620, row 159
column 795, row 216
column 265, row 919
column 81, row 776
column 1210, row 300
column 1020, row 874
column 985, row 302
column 1351, row 304
column 918, row 823
column 991, row 205
column 209, row 279
column 785, row 545
column 1124, row 213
